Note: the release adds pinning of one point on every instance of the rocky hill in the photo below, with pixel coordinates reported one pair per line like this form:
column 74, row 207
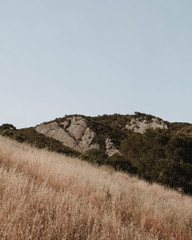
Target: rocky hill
column 140, row 144
column 82, row 133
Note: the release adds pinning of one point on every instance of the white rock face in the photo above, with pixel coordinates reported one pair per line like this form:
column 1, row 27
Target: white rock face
column 110, row 148
column 73, row 133
column 140, row 125
column 76, row 127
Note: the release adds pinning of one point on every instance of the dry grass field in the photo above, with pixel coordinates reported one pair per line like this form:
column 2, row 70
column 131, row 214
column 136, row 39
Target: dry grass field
column 44, row 195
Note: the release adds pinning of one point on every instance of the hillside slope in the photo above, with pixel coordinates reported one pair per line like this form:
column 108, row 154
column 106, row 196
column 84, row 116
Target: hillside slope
column 45, row 195
column 140, row 144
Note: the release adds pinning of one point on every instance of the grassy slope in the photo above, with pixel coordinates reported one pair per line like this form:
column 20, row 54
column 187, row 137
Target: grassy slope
column 152, row 156
column 45, row 195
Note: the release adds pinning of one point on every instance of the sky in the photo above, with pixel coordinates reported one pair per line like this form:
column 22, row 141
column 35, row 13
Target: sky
column 95, row 57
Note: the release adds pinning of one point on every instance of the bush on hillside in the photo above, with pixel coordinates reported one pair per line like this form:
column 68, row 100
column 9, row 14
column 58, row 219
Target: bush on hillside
column 161, row 156
column 94, row 156
column 7, row 126
column 120, row 163
column 15, row 135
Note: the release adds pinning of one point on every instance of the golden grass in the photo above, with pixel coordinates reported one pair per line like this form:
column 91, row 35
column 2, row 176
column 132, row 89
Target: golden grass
column 45, row 195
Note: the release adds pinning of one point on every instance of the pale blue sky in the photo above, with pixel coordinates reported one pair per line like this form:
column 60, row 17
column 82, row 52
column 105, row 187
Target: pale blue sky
column 95, row 57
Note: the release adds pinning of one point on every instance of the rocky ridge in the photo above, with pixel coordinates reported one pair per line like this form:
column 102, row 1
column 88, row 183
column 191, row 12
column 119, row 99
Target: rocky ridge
column 75, row 132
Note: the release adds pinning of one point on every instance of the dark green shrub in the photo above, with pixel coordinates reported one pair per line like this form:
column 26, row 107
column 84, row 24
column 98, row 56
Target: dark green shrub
column 7, row 133
column 174, row 174
column 7, row 126
column 119, row 162
column 94, row 156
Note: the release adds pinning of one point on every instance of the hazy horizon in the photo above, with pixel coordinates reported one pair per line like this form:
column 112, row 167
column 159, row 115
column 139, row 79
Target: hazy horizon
column 93, row 58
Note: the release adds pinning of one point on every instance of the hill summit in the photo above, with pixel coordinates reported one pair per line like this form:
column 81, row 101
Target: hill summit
column 82, row 133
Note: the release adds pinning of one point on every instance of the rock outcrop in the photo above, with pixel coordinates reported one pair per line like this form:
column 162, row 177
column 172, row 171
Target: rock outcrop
column 73, row 133
column 110, row 148
column 140, row 125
